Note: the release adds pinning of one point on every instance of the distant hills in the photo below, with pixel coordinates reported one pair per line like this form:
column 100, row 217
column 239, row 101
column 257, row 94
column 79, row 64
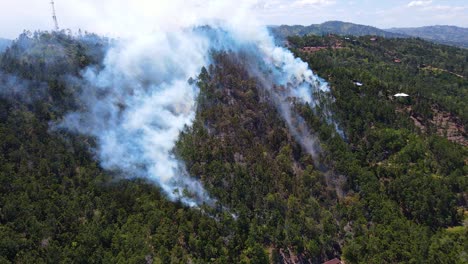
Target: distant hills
column 334, row 27
column 4, row 43
column 450, row 35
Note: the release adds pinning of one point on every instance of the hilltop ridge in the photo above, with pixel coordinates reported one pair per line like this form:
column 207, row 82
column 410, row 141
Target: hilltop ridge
column 448, row 35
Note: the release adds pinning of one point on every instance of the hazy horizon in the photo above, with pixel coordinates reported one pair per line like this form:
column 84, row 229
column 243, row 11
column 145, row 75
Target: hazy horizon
column 362, row 24
column 273, row 25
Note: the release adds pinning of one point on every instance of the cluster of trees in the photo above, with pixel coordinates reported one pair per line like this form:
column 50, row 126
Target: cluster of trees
column 407, row 185
column 56, row 204
column 241, row 149
column 386, row 193
column 430, row 73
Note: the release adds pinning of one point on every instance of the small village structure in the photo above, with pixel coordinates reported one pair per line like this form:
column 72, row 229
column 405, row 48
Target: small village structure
column 358, row 83
column 401, row 95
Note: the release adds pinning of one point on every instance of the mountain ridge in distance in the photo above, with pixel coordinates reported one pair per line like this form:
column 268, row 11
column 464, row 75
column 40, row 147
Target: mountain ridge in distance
column 445, row 34
column 4, row 43
column 334, row 27
column 449, row 35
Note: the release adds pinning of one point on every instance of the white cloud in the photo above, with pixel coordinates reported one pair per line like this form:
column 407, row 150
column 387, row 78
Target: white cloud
column 446, row 8
column 313, row 2
column 420, row 3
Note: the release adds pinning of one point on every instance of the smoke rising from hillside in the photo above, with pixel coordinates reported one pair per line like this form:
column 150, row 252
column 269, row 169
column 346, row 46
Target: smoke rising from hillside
column 137, row 105
column 13, row 87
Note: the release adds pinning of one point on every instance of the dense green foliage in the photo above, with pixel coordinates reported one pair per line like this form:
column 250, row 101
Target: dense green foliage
column 373, row 63
column 239, row 143
column 411, row 183
column 387, row 193
column 57, row 206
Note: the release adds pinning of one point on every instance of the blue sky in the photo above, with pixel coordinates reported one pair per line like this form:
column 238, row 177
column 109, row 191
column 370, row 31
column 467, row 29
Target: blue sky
column 17, row 15
column 384, row 14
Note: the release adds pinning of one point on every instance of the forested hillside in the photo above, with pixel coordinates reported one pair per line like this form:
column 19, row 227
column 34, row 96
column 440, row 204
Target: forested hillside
column 392, row 190
column 333, row 27
column 411, row 182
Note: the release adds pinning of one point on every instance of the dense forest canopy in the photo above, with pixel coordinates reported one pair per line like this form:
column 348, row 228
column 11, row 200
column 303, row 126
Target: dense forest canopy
column 392, row 190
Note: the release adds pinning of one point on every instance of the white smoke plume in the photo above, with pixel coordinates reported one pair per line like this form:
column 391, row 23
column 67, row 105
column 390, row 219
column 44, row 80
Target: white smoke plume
column 139, row 102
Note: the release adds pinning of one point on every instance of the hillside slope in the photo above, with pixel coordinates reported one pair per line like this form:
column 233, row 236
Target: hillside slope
column 386, row 192
column 388, row 140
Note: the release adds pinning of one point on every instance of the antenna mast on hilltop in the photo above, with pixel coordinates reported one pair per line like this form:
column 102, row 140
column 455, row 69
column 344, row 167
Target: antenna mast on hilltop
column 54, row 16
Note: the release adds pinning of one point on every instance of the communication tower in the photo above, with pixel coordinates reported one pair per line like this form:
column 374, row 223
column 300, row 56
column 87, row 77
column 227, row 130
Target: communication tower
column 54, row 16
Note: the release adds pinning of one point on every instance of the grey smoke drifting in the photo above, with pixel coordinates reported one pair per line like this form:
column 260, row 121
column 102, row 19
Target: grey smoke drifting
column 285, row 79
column 14, row 87
column 137, row 105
